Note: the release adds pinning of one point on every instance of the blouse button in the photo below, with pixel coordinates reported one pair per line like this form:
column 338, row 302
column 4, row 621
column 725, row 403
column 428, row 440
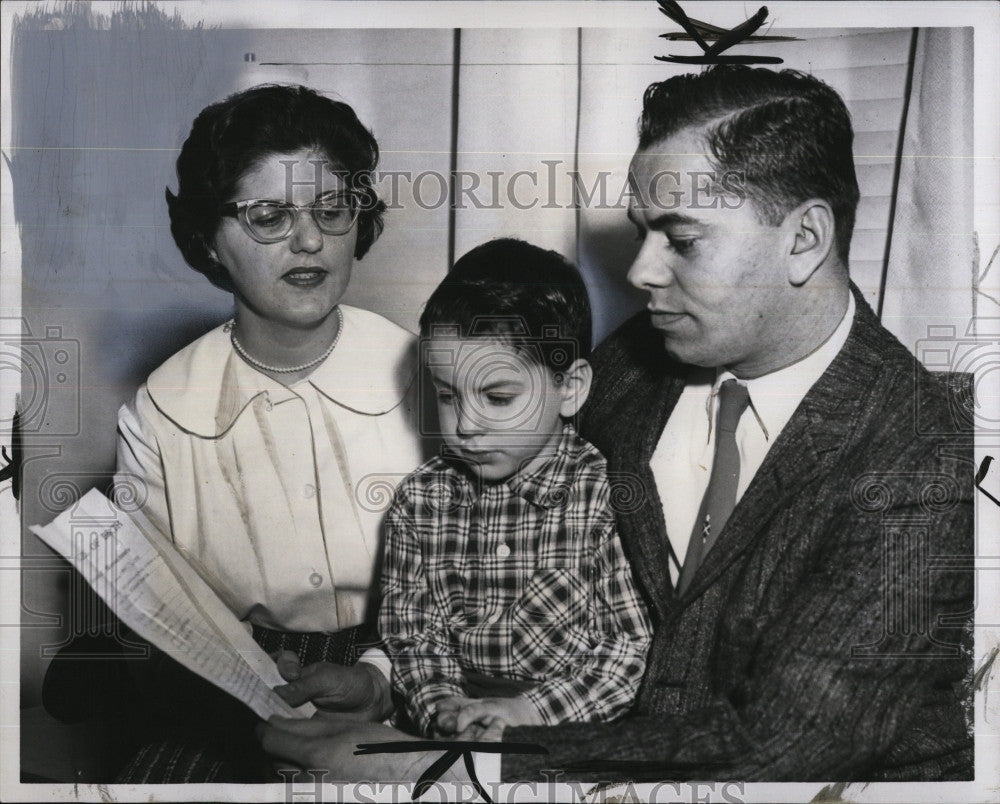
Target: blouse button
column 309, row 491
column 503, row 551
column 316, row 579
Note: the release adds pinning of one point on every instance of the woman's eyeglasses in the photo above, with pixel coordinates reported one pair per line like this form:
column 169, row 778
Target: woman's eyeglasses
column 273, row 221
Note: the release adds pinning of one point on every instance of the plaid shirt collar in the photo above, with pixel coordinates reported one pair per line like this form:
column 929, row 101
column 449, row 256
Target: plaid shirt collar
column 545, row 487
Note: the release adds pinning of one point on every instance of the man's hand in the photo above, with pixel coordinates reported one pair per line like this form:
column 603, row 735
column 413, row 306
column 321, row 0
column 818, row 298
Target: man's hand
column 327, row 743
column 359, row 692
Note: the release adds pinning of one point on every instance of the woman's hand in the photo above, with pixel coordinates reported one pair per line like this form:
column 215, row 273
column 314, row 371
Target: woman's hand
column 359, row 692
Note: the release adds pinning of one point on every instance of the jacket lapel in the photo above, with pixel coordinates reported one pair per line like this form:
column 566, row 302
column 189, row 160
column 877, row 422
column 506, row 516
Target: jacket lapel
column 643, row 530
column 806, row 449
column 791, row 465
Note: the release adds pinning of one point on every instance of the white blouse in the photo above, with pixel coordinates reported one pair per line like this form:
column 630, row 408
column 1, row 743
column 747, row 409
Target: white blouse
column 276, row 494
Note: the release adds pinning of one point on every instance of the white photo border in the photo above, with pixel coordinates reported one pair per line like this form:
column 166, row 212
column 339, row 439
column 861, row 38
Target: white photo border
column 982, row 16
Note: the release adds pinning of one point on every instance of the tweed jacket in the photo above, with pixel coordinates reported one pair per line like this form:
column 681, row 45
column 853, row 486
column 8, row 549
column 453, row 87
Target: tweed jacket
column 827, row 635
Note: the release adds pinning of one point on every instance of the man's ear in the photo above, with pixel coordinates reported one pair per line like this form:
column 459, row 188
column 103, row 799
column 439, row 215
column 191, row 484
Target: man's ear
column 813, row 231
column 574, row 387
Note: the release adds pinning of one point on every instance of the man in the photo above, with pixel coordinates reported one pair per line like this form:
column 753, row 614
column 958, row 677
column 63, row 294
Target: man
column 792, row 478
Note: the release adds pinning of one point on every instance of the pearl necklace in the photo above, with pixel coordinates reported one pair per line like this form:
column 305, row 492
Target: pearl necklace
column 277, row 370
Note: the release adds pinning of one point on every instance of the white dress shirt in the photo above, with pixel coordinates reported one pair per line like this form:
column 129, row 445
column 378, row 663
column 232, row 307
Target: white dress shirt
column 682, row 460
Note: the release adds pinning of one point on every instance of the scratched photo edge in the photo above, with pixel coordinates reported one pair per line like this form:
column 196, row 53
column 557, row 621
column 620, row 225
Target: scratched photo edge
column 875, row 15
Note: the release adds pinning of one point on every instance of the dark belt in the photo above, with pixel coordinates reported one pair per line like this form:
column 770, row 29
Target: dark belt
column 343, row 647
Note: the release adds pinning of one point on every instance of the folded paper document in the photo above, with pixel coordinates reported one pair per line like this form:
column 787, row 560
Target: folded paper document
column 152, row 589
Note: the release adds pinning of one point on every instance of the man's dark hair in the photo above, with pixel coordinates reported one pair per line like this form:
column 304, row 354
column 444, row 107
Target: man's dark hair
column 786, row 133
column 229, row 138
column 526, row 297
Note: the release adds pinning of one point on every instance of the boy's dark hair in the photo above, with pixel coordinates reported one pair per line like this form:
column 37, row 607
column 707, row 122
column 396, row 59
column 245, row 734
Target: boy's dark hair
column 227, row 140
column 526, row 297
column 787, row 133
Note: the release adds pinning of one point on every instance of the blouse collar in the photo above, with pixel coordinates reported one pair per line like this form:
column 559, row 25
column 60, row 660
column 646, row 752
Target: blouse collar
column 206, row 386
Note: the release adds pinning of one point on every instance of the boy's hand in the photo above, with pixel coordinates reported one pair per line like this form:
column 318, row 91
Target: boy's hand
column 446, row 715
column 493, row 714
column 489, row 728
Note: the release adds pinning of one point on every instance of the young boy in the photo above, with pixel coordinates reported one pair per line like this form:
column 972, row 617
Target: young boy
column 506, row 593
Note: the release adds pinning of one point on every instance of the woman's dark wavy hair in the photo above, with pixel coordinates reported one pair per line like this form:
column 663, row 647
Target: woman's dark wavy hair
column 787, row 133
column 228, row 138
column 526, row 297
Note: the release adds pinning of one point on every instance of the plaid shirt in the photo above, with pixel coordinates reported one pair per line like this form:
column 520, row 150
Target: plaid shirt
column 524, row 579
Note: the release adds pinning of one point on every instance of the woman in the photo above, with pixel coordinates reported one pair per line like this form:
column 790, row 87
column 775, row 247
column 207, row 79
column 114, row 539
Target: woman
column 263, row 445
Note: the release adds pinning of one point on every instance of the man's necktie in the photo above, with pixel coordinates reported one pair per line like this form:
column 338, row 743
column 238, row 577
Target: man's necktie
column 720, row 496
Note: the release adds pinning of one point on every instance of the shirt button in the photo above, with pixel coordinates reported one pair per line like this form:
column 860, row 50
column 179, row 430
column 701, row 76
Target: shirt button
column 316, row 579
column 309, row 491
column 503, row 551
